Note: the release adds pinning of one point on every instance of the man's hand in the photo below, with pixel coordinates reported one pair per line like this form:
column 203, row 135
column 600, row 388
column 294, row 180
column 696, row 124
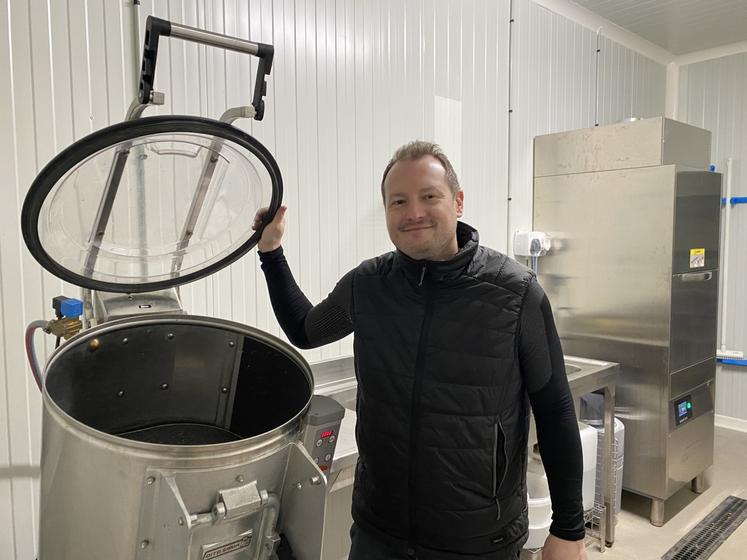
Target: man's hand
column 272, row 235
column 559, row 549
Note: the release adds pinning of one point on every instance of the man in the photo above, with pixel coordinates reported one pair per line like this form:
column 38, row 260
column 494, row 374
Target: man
column 452, row 342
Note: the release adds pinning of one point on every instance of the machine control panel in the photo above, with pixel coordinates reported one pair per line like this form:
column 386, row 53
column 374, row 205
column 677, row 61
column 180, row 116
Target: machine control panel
column 322, row 429
column 683, row 409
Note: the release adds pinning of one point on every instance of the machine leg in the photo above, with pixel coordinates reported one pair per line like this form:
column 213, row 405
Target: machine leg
column 657, row 512
column 697, row 484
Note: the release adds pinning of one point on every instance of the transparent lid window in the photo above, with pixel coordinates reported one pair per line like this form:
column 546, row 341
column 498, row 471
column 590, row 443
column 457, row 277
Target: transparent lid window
column 159, row 208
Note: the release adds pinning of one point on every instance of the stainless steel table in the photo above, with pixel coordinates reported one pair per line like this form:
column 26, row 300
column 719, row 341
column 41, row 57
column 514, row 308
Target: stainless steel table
column 587, row 376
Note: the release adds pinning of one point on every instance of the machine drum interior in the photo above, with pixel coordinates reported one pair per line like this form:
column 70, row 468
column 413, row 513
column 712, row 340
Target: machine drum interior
column 178, row 384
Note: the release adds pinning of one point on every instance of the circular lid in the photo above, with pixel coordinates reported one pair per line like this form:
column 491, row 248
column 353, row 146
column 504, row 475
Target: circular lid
column 149, row 204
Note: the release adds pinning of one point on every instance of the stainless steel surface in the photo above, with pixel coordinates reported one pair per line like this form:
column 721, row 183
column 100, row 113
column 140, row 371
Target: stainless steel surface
column 643, row 143
column 105, row 207
column 586, row 376
column 214, row 39
column 701, row 398
column 685, row 144
column 657, row 512
column 683, row 381
column 198, row 200
column 618, row 286
column 109, row 306
column 173, row 530
column 696, row 210
column 697, row 484
column 303, row 505
column 106, row 203
column 203, row 183
column 143, row 499
column 321, row 430
column 690, row 450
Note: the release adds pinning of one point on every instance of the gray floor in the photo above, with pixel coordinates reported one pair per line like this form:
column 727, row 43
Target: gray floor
column 637, row 539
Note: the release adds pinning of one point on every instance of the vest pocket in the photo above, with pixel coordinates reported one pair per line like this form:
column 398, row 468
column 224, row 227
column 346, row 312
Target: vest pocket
column 500, row 461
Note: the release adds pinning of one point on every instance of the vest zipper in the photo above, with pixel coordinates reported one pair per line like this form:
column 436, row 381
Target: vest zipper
column 415, row 409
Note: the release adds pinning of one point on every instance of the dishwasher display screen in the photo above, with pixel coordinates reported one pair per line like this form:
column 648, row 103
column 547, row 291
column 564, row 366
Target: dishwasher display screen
column 683, row 409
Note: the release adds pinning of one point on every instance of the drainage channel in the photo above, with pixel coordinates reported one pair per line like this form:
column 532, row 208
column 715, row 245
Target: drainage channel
column 711, row 532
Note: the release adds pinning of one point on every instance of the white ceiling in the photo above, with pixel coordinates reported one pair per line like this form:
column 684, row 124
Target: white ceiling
column 679, row 26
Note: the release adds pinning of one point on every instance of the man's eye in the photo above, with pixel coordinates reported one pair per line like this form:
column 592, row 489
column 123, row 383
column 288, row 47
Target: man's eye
column 397, row 202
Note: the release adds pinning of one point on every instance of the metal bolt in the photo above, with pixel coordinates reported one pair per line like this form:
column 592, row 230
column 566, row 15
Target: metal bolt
column 224, row 389
column 298, row 485
column 316, row 480
column 240, row 478
column 94, row 345
column 125, row 340
column 231, row 344
column 219, row 510
column 170, row 336
column 181, row 521
column 150, row 480
column 164, row 386
column 144, row 544
column 120, row 394
column 129, row 296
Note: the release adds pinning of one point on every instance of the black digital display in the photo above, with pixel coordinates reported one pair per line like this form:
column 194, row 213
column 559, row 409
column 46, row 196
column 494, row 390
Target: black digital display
column 683, row 409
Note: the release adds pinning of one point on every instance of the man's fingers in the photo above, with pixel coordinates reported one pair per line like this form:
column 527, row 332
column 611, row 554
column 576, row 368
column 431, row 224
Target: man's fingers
column 280, row 215
column 262, row 212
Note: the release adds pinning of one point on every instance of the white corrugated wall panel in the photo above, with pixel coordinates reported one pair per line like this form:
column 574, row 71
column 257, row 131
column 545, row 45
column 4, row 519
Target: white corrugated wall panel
column 630, row 85
column 65, row 66
column 711, row 96
column 554, row 88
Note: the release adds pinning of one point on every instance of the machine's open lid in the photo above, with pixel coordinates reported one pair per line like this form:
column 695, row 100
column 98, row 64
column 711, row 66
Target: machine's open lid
column 149, row 204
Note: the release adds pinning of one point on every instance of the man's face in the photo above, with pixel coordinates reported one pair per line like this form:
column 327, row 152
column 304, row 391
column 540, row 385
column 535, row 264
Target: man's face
column 421, row 211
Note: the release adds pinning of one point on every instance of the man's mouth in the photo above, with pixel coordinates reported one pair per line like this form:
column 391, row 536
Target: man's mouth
column 417, row 228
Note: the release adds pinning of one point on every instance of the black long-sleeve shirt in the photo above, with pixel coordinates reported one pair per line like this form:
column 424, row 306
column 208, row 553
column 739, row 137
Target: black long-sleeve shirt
column 540, row 358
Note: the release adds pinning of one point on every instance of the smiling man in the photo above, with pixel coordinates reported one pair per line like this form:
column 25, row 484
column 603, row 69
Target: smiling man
column 453, row 342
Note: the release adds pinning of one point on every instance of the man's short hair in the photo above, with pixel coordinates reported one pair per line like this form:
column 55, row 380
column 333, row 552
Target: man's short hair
column 417, row 149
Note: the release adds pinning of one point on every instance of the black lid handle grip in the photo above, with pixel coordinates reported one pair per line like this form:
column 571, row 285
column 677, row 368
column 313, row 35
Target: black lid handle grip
column 155, row 27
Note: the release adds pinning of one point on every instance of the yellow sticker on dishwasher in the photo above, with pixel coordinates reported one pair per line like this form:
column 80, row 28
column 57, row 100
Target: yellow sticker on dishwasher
column 697, row 258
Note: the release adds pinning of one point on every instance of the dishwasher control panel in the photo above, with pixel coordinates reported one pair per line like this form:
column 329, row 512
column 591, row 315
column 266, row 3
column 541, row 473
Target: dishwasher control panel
column 322, row 428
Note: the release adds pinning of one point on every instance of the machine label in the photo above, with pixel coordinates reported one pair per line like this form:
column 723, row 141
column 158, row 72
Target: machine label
column 211, row 551
column 697, row 258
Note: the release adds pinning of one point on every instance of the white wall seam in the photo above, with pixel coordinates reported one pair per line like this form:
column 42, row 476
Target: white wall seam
column 8, row 368
column 27, row 392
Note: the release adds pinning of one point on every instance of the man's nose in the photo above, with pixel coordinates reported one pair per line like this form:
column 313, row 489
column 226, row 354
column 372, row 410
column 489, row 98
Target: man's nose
column 415, row 211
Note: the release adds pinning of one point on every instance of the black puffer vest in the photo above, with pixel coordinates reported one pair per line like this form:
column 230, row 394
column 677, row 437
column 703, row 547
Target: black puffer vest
column 442, row 409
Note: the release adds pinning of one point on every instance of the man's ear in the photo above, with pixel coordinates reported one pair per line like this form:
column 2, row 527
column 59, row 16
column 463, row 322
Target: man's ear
column 459, row 201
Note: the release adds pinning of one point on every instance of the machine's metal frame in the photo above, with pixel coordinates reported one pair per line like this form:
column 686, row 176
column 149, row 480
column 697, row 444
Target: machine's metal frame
column 627, row 206
column 153, row 500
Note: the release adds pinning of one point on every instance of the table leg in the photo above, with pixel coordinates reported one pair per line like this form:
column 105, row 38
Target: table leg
column 609, row 489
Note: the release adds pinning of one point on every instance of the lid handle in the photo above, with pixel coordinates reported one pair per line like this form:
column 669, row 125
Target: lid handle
column 156, row 27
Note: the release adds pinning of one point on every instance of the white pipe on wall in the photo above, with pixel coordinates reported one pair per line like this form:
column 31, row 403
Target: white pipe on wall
column 725, row 254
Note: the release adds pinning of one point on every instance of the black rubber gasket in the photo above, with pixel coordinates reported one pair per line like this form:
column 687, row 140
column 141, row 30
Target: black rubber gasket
column 129, row 130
